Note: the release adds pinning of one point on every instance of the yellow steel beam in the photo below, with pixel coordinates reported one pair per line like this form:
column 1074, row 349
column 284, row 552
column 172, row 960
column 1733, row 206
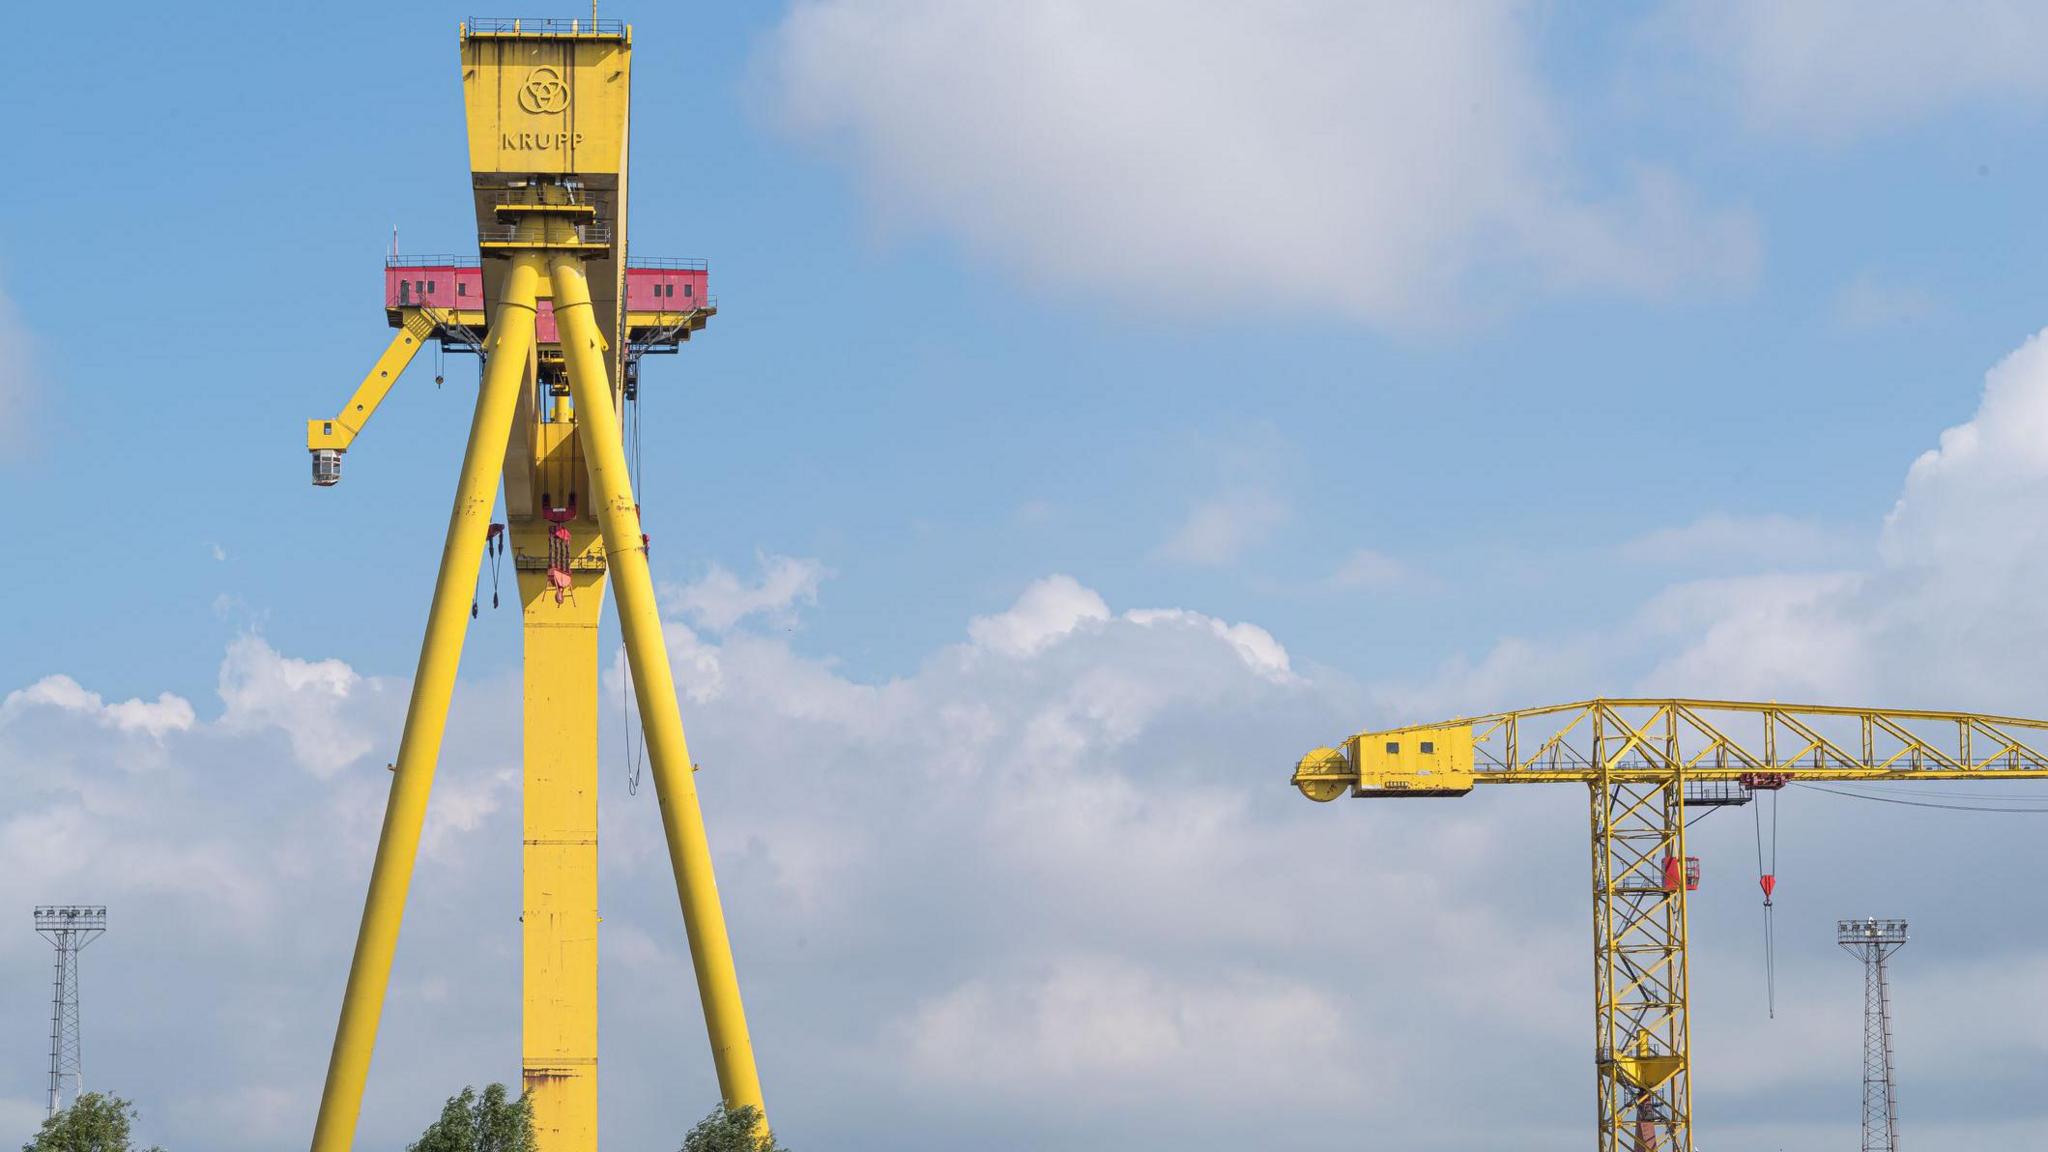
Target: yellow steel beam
column 426, row 715
column 668, row 755
column 415, row 325
column 1887, row 744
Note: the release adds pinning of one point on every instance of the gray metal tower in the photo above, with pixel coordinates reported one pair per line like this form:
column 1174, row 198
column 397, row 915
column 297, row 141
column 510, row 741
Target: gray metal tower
column 69, row 927
column 1872, row 941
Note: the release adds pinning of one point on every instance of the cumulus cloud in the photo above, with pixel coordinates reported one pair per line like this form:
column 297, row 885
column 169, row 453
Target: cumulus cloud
column 720, row 599
column 1838, row 68
column 1054, row 876
column 1384, row 162
column 316, row 704
column 1946, row 615
column 167, row 713
column 1048, row 609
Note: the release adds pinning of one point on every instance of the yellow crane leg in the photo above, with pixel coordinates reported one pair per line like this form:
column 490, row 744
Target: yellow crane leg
column 426, row 715
column 739, row 1083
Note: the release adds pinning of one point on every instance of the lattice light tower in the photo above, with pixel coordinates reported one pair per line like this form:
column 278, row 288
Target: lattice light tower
column 1873, row 941
column 68, row 928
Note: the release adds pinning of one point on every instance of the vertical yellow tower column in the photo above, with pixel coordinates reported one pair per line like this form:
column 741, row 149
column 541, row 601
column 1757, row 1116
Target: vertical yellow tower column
column 558, row 921
column 548, row 103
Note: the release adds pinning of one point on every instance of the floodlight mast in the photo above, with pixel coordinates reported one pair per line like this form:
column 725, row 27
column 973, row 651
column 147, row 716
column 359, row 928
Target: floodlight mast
column 68, row 928
column 1873, row 941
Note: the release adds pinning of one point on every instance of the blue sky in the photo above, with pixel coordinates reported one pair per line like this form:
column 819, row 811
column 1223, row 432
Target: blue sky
column 1463, row 359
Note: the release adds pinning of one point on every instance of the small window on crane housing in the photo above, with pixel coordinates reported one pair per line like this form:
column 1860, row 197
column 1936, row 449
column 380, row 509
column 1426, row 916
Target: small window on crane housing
column 1416, row 762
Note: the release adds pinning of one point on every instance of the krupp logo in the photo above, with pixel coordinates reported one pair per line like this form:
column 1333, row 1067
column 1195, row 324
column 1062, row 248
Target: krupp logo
column 545, row 92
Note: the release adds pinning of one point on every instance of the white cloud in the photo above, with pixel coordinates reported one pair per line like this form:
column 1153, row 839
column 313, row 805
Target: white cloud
column 1946, row 616
column 315, row 703
column 1253, row 644
column 1837, row 68
column 1770, row 541
column 1095, row 1028
column 1048, row 610
column 1388, row 162
column 1058, row 860
column 167, row 713
column 719, row 600
column 1219, row 531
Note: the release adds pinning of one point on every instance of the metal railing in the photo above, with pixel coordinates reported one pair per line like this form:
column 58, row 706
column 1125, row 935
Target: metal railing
column 598, row 233
column 666, row 263
column 570, row 195
column 634, row 263
column 432, row 260
column 541, row 26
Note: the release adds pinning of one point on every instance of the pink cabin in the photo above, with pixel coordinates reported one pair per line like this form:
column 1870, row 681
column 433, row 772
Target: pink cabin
column 671, row 287
column 443, row 281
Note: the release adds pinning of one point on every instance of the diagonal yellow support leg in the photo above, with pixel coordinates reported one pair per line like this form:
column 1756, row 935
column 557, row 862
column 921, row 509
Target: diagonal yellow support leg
column 426, row 716
column 633, row 589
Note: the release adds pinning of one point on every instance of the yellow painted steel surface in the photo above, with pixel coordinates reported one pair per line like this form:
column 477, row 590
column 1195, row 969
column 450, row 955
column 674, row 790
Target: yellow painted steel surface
column 341, row 431
column 558, row 919
column 667, row 754
column 1636, row 757
column 547, row 105
column 426, row 714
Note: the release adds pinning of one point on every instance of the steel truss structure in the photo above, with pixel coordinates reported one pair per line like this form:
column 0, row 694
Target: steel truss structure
column 68, row 928
column 1873, row 941
column 1640, row 759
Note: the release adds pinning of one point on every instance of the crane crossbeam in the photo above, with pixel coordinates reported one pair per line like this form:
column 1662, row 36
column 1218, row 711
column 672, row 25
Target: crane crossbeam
column 1637, row 759
column 1647, row 740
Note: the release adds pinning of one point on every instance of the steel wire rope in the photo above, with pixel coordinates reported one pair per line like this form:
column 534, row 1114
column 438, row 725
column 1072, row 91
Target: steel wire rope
column 2039, row 811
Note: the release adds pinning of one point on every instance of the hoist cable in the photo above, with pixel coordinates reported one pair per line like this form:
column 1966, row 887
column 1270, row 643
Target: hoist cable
column 1926, row 803
column 1766, row 869
column 633, row 766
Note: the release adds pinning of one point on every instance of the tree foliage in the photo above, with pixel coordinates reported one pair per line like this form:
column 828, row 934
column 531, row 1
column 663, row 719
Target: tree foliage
column 731, row 1130
column 95, row 1122
column 486, row 1123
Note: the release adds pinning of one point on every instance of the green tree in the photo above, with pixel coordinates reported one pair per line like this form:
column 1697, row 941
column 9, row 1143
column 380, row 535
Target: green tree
column 95, row 1122
column 486, row 1123
column 731, row 1130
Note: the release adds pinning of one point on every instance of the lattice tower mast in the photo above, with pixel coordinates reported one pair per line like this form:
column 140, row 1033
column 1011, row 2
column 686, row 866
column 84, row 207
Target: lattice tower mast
column 68, row 928
column 1873, row 941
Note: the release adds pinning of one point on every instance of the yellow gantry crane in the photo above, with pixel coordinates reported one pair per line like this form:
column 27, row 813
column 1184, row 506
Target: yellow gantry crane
column 1643, row 762
column 559, row 320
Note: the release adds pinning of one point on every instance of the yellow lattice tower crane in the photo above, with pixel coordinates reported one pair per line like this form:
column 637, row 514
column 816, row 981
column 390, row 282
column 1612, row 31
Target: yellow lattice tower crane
column 1642, row 762
column 560, row 321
